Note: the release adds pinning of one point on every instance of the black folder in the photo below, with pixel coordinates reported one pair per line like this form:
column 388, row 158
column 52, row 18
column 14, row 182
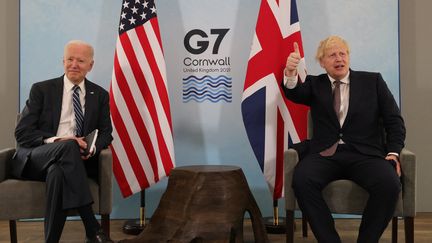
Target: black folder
column 90, row 140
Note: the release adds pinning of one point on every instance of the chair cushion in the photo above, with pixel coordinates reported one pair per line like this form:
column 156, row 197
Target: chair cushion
column 23, row 199
column 346, row 197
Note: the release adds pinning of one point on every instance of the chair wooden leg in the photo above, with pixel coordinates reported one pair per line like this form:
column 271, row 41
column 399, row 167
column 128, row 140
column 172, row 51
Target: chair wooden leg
column 105, row 223
column 304, row 226
column 394, row 230
column 289, row 226
column 13, row 231
column 409, row 229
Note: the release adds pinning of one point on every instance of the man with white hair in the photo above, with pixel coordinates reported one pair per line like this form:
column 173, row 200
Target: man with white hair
column 57, row 116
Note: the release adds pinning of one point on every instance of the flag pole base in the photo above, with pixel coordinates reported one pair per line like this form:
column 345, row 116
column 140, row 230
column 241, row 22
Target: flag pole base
column 133, row 227
column 273, row 228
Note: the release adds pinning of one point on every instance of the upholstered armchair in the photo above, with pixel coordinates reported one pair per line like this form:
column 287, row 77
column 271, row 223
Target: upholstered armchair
column 346, row 197
column 23, row 199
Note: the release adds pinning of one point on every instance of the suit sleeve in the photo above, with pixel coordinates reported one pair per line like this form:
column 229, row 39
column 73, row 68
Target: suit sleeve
column 27, row 132
column 104, row 123
column 301, row 93
column 392, row 119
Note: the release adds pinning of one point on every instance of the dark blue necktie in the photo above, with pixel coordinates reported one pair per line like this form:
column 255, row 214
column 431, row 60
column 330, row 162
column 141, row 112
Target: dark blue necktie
column 79, row 116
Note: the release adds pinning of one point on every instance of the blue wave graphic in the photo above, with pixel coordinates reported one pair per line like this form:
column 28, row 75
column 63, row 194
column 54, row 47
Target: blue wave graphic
column 206, row 81
column 214, row 96
column 198, row 94
column 228, row 90
column 206, row 99
column 206, row 76
column 207, row 88
column 213, row 85
column 202, row 99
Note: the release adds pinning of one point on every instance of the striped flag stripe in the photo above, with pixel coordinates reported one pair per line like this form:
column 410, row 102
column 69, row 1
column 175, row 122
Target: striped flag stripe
column 123, row 168
column 130, row 99
column 143, row 149
column 156, row 85
column 142, row 92
column 128, row 159
column 158, row 63
column 153, row 103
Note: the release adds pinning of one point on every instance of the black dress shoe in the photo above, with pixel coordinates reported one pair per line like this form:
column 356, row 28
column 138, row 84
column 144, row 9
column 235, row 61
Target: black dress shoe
column 100, row 237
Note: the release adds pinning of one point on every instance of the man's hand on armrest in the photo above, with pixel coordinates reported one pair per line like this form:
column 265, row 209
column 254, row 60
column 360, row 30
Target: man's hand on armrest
column 394, row 158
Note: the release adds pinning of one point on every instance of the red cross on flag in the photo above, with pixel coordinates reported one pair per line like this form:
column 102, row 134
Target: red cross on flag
column 272, row 122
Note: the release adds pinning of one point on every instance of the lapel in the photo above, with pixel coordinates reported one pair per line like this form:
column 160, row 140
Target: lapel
column 57, row 91
column 354, row 95
column 90, row 105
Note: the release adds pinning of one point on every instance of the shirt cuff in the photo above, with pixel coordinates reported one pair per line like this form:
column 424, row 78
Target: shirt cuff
column 290, row 82
column 393, row 153
column 50, row 140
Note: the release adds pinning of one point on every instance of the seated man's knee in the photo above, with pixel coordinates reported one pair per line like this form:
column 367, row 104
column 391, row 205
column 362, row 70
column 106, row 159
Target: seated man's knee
column 54, row 171
column 301, row 180
column 389, row 187
column 394, row 187
column 69, row 145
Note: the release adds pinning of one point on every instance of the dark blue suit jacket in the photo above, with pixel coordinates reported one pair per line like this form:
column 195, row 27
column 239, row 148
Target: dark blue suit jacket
column 371, row 108
column 41, row 115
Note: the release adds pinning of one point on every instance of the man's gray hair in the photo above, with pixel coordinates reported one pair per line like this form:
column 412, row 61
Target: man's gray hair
column 80, row 42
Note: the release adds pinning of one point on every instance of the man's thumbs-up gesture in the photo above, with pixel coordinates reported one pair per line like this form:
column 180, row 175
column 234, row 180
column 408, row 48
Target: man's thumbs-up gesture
column 292, row 62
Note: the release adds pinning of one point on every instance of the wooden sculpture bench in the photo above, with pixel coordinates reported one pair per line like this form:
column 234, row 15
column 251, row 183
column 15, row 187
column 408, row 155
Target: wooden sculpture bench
column 205, row 203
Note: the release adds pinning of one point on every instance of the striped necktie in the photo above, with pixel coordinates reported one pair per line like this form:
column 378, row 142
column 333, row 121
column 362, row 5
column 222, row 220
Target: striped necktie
column 79, row 116
column 336, row 106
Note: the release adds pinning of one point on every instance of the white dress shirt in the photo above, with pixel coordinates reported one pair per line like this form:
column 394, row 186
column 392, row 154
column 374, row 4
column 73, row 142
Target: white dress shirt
column 291, row 82
column 66, row 126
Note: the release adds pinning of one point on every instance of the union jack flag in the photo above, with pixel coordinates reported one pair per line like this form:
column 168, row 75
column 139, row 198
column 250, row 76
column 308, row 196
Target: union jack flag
column 272, row 122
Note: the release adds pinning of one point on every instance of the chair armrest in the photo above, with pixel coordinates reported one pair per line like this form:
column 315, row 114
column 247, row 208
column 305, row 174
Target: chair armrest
column 105, row 181
column 290, row 161
column 5, row 157
column 409, row 182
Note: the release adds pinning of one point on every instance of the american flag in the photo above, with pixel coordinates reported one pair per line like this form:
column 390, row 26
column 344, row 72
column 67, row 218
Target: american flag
column 143, row 150
column 272, row 122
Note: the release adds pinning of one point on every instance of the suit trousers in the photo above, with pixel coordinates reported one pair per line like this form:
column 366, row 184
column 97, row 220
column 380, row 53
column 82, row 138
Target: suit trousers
column 375, row 174
column 60, row 165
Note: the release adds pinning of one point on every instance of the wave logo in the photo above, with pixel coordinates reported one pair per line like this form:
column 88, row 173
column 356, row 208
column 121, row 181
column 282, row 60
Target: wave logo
column 207, row 88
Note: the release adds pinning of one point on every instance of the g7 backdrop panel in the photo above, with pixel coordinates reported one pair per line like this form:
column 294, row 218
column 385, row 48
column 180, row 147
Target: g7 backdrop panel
column 206, row 131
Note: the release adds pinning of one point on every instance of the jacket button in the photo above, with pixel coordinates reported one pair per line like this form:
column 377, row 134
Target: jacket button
column 340, row 135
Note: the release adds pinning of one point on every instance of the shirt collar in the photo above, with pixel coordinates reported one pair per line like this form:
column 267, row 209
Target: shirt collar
column 68, row 85
column 344, row 80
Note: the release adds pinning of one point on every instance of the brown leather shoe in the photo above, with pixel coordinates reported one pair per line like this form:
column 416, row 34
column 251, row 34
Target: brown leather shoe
column 100, row 237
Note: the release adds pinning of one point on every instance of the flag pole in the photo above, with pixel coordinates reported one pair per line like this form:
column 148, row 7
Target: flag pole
column 136, row 226
column 275, row 224
column 142, row 209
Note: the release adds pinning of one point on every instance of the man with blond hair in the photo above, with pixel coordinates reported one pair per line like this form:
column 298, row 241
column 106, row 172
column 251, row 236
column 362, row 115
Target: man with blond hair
column 50, row 137
column 347, row 109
